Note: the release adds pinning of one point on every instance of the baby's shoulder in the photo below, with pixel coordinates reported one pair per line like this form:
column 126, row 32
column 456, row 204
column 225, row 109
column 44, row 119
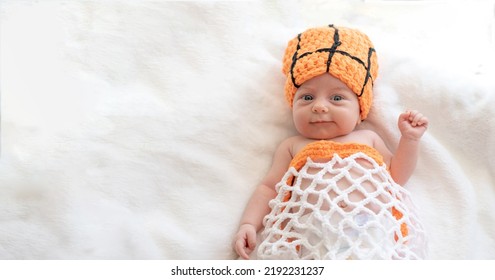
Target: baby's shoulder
column 293, row 144
column 365, row 134
column 294, row 140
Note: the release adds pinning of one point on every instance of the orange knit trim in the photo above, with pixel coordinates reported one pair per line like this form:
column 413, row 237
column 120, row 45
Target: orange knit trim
column 325, row 149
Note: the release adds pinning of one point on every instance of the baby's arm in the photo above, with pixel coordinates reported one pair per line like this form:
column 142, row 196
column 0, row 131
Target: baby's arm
column 257, row 207
column 412, row 126
column 251, row 222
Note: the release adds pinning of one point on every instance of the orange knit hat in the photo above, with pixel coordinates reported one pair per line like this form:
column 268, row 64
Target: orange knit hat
column 347, row 54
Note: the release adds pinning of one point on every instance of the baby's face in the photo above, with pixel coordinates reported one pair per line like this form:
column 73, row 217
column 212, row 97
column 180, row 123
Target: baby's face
column 325, row 108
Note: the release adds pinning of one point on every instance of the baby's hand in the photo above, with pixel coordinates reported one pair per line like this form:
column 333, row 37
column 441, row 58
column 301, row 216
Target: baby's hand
column 245, row 241
column 412, row 124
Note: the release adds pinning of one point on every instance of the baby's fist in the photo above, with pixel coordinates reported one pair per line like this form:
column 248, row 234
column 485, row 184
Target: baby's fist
column 412, row 124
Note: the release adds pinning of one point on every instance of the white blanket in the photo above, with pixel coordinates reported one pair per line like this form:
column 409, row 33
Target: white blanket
column 139, row 129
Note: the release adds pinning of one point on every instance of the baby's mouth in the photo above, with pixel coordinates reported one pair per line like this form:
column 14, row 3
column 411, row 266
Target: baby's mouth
column 319, row 122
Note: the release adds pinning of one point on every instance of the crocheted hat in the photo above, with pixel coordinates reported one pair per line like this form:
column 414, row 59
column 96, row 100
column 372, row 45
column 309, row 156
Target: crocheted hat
column 345, row 53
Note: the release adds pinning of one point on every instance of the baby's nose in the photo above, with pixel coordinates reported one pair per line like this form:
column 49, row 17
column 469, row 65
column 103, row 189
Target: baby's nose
column 319, row 107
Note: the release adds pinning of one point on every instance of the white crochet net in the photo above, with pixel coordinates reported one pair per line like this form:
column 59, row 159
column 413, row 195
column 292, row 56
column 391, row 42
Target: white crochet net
column 341, row 209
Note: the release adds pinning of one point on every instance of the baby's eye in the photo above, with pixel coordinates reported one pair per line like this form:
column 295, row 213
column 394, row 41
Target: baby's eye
column 307, row 97
column 337, row 98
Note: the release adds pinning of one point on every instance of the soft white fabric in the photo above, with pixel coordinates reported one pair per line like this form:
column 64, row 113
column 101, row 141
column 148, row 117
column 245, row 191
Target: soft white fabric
column 139, row 129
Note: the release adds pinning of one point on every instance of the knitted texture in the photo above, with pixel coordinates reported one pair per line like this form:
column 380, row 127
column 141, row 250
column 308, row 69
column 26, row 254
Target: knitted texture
column 345, row 53
column 337, row 207
column 326, row 149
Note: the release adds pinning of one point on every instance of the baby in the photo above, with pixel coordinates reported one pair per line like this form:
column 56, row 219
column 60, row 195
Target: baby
column 333, row 191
